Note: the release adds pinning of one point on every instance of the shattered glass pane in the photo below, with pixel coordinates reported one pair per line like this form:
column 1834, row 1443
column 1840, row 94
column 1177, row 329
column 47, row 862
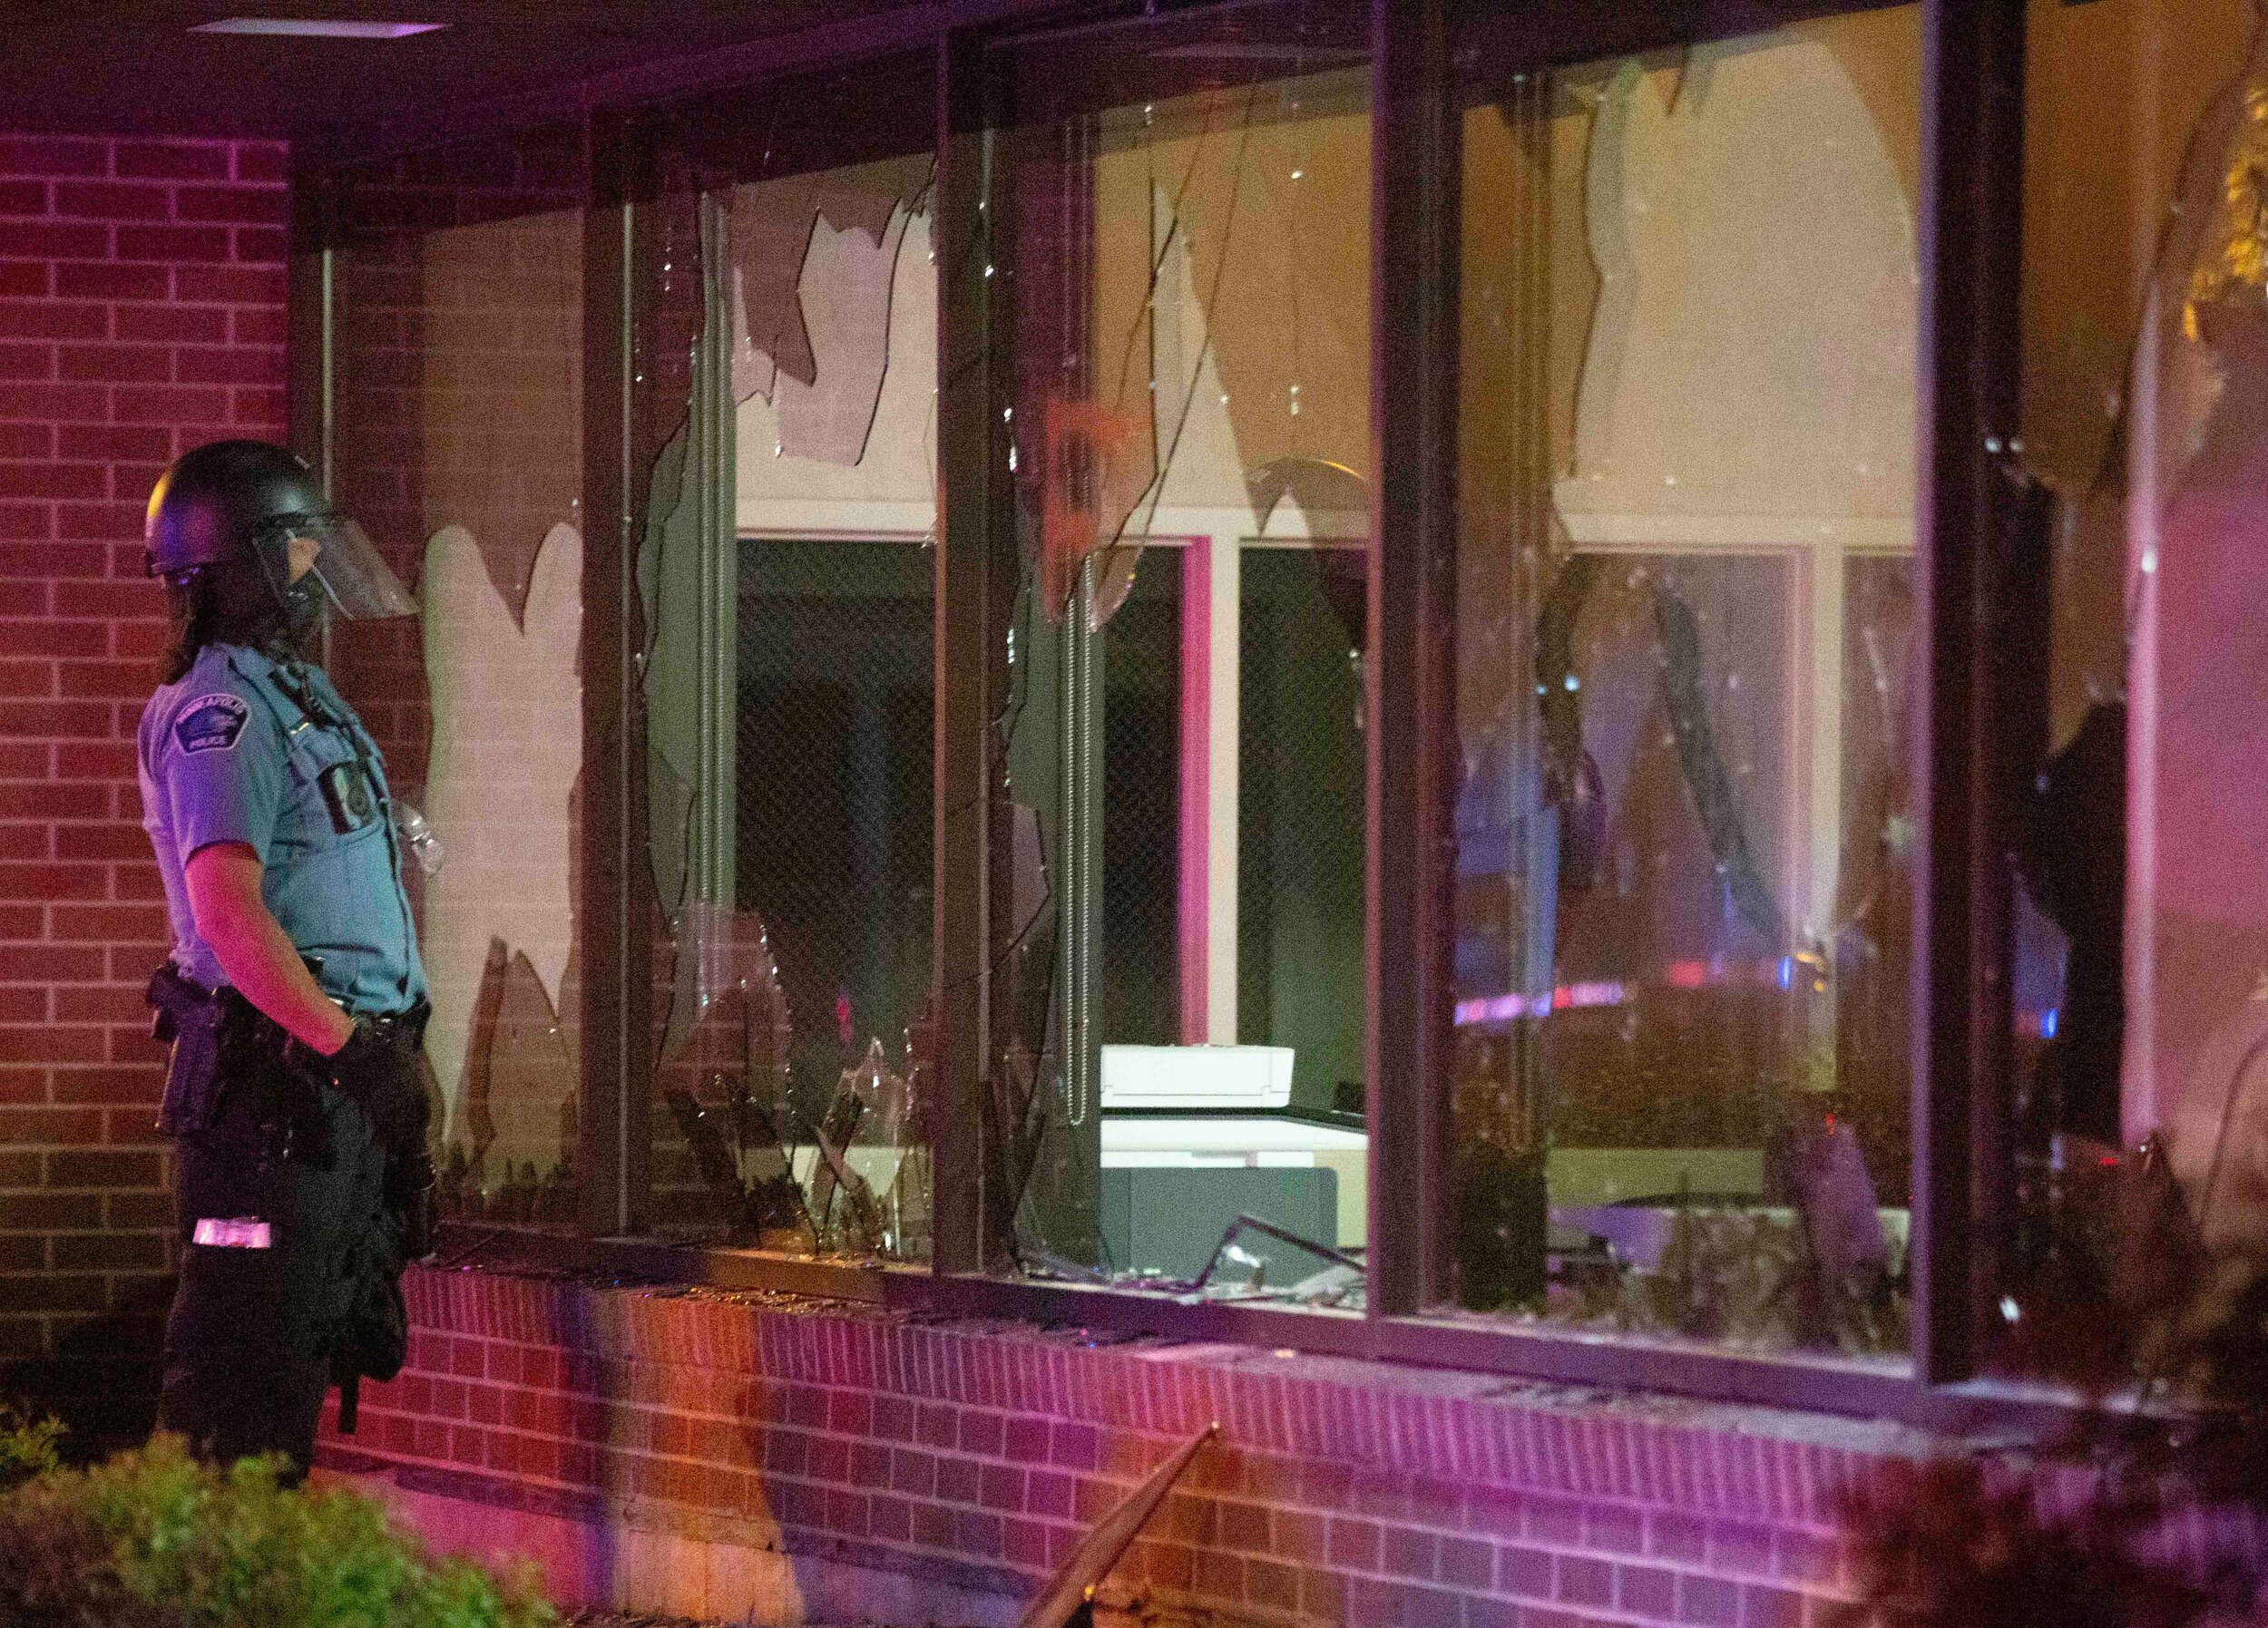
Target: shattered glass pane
column 789, row 678
column 458, row 321
column 1686, row 689
column 1175, row 244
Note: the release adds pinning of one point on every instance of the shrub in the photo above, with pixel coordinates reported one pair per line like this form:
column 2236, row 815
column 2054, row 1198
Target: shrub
column 154, row 1539
column 27, row 1446
column 2130, row 1516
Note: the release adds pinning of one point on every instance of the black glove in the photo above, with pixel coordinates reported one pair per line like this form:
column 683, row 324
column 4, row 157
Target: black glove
column 372, row 1073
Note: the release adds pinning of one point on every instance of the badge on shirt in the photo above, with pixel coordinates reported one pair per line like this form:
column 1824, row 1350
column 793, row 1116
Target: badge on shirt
column 210, row 722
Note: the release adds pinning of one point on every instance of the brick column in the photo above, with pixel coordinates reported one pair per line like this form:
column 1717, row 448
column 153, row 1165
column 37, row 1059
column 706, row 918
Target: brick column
column 141, row 312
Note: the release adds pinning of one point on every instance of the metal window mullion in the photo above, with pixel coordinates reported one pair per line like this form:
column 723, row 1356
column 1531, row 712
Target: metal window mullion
column 1969, row 236
column 329, row 387
column 710, row 426
column 613, row 931
column 311, row 300
column 1081, row 898
column 1416, row 175
column 960, row 984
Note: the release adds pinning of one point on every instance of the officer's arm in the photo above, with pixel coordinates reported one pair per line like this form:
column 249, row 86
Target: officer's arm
column 223, row 880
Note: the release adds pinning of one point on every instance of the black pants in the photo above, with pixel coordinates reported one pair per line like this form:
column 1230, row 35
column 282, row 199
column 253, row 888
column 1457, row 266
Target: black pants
column 254, row 1334
column 230, row 1416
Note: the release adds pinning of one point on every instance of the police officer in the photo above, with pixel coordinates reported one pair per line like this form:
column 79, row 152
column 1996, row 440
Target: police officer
column 294, row 998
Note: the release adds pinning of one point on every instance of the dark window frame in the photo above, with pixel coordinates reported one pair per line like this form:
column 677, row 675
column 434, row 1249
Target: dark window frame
column 1971, row 113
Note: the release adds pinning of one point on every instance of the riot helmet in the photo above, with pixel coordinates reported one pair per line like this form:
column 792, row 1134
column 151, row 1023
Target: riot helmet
column 252, row 518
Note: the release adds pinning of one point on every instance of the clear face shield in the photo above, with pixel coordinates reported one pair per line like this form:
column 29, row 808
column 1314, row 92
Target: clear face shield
column 315, row 562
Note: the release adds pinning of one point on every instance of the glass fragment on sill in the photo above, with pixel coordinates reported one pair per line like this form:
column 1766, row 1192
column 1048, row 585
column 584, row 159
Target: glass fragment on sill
column 879, row 1143
column 726, row 1089
column 854, row 1180
column 1732, row 1276
column 843, row 1209
column 1330, row 1277
column 907, row 1201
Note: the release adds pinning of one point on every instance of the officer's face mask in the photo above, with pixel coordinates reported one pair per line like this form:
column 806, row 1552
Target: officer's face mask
column 317, row 563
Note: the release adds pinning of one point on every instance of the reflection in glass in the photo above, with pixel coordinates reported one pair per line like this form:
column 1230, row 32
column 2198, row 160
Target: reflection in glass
column 457, row 317
column 1683, row 829
column 2141, row 1144
column 1175, row 240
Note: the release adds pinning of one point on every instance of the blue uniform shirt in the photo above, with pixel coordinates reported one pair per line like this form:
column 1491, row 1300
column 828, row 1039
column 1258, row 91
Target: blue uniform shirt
column 228, row 755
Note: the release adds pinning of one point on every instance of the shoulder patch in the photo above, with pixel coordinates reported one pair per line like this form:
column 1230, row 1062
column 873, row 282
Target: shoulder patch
column 210, row 722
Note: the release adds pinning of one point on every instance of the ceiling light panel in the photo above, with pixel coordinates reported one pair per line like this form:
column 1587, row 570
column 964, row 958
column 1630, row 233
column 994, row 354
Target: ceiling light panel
column 321, row 28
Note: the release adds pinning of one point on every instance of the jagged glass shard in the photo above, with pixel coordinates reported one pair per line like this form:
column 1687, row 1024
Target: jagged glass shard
column 531, row 1075
column 785, row 369
column 1173, row 299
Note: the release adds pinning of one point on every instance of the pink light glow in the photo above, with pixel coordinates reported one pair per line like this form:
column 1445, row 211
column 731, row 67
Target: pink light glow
column 1500, row 1008
column 1714, row 973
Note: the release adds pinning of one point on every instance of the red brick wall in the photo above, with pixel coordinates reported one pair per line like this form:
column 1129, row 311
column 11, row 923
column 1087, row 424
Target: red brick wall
column 972, row 1456
column 141, row 312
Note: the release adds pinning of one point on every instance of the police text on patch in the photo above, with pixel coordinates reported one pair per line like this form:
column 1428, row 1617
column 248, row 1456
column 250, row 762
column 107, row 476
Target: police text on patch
column 210, row 722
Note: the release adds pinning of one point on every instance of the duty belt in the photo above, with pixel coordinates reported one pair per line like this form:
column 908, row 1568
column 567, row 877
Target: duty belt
column 173, row 996
column 199, row 1024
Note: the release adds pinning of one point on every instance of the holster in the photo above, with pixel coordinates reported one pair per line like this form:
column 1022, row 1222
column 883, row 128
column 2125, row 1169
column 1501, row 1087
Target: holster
column 200, row 1024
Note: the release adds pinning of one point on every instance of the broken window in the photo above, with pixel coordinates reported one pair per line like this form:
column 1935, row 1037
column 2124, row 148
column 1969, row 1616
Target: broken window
column 788, row 365
column 456, row 353
column 1175, row 240
column 1686, row 690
